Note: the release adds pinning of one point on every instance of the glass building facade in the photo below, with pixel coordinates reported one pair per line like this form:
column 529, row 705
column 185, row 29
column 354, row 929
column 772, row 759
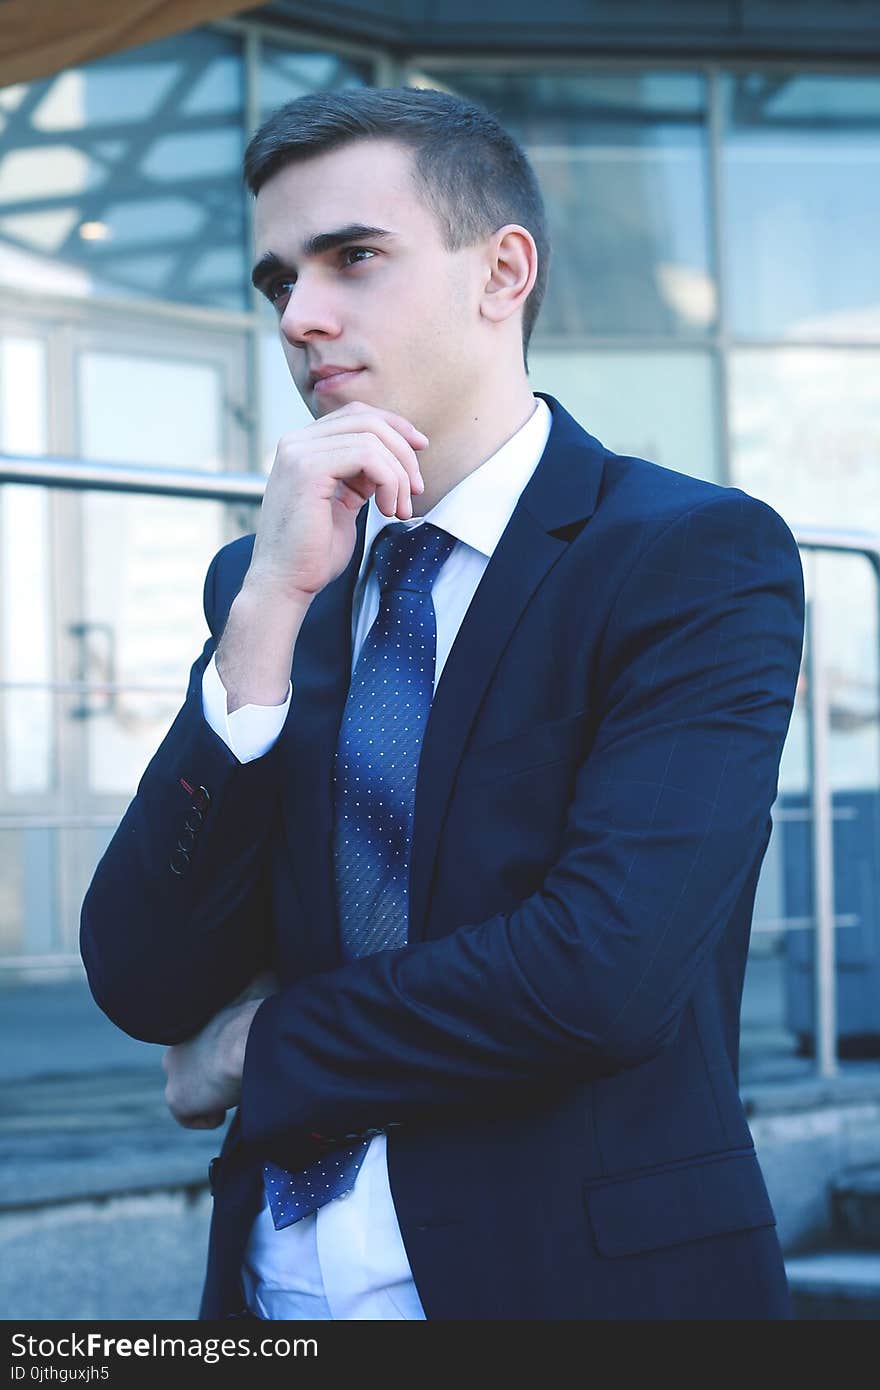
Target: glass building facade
column 713, row 305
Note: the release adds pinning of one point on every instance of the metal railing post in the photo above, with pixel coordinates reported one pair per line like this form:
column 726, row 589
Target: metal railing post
column 822, row 822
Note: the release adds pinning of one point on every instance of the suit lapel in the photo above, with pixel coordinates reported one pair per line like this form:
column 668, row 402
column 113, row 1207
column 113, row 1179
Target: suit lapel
column 558, row 498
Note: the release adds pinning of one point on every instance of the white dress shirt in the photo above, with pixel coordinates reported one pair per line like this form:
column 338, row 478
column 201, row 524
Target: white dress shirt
column 347, row 1260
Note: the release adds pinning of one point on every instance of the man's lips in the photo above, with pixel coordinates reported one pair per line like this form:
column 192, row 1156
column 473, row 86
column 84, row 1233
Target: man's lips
column 328, row 383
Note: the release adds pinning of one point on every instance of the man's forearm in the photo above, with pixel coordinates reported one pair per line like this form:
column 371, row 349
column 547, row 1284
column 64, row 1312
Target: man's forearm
column 204, row 1074
column 255, row 653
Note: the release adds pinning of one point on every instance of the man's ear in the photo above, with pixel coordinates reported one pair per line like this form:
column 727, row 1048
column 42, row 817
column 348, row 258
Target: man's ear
column 512, row 266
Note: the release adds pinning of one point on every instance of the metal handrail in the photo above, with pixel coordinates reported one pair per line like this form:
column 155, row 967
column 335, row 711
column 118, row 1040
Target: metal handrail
column 80, row 474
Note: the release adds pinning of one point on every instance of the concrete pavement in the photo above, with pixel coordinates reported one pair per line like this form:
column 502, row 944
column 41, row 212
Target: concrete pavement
column 104, row 1207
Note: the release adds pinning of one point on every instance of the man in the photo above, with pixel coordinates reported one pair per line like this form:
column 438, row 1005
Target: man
column 499, row 840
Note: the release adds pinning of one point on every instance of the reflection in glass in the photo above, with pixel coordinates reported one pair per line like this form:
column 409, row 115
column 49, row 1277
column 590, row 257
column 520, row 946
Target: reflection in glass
column 286, row 74
column 801, row 181
column 657, row 405
column 847, row 588
column 104, row 162
column 622, row 163
column 805, row 432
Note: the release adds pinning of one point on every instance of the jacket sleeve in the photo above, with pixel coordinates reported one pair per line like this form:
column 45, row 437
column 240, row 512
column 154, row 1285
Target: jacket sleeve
column 175, row 920
column 669, row 819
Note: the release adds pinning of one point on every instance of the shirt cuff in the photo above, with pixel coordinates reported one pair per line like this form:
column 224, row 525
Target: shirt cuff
column 248, row 732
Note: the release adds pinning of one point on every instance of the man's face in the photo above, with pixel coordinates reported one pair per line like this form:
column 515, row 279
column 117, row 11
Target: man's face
column 397, row 307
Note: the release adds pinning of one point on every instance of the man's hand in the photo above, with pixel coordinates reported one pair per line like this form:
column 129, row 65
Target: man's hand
column 204, row 1073
column 322, row 476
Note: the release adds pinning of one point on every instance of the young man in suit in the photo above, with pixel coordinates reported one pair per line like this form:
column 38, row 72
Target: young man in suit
column 498, row 841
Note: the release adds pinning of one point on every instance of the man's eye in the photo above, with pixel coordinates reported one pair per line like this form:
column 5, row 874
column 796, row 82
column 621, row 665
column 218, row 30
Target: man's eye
column 355, row 250
column 278, row 290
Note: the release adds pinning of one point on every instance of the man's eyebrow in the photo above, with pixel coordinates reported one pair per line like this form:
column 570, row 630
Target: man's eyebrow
column 317, row 245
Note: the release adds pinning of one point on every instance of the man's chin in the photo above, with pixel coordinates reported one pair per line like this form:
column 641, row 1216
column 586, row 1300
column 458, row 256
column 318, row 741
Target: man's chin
column 320, row 404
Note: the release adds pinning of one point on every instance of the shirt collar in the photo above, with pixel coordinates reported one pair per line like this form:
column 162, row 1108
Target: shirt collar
column 477, row 510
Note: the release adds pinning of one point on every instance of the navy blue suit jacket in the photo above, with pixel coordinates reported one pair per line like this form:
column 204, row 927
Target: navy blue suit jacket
column 555, row 1052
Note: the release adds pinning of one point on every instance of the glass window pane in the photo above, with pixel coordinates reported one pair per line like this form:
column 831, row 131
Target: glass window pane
column 805, row 432
column 144, row 558
column 801, row 180
column 805, row 436
column 164, row 412
column 286, row 74
column 622, row 163
column 123, row 177
column 25, row 607
column 28, row 890
column 779, row 996
column 44, row 873
column 657, row 405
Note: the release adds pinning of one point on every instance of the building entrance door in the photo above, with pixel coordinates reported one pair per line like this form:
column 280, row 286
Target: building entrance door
column 100, row 612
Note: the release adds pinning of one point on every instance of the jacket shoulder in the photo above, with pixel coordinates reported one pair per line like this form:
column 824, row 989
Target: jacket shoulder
column 638, row 500
column 652, row 498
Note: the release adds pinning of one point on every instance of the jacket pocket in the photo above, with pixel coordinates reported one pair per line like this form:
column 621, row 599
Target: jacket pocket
column 713, row 1196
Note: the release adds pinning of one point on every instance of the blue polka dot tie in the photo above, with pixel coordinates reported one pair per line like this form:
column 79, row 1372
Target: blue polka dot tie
column 377, row 762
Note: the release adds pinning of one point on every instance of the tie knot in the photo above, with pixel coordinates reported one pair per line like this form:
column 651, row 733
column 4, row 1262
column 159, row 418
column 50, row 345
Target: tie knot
column 410, row 557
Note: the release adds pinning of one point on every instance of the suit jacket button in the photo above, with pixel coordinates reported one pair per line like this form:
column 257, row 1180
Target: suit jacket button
column 201, row 798
column 186, row 841
column 212, row 1168
column 194, row 819
column 179, row 862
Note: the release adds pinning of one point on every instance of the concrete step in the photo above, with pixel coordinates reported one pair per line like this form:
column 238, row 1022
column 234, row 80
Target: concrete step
column 855, row 1204
column 104, row 1208
column 842, row 1285
column 74, row 1138
column 128, row 1256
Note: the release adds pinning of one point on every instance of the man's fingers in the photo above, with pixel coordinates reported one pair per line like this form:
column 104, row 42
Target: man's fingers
column 399, row 422
column 402, row 439
column 371, row 468
column 398, row 435
column 209, row 1119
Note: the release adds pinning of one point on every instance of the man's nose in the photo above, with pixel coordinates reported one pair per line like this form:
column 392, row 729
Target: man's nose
column 309, row 310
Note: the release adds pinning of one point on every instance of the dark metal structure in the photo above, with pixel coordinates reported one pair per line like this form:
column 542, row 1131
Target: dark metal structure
column 749, row 29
